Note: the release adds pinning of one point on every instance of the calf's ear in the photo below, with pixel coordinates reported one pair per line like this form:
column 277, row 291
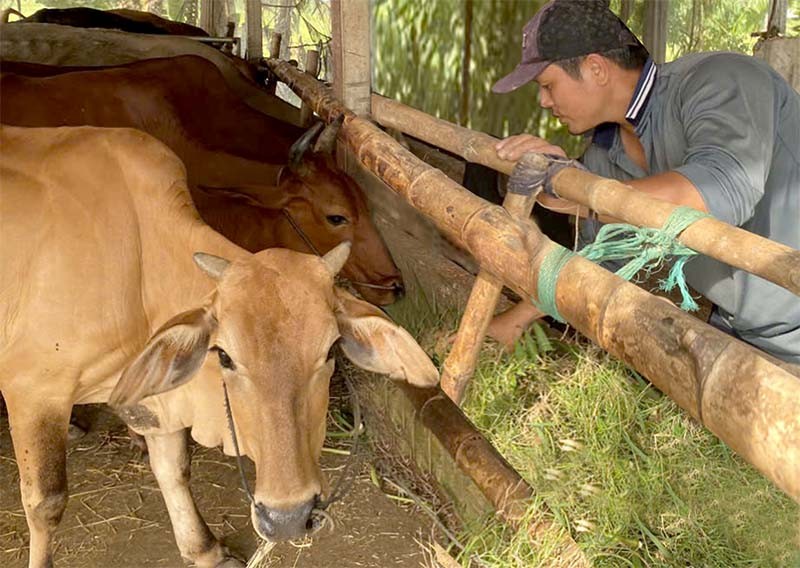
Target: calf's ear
column 375, row 343
column 171, row 358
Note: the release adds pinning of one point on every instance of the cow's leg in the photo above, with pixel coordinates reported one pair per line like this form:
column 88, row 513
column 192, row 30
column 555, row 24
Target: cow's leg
column 39, row 434
column 169, row 459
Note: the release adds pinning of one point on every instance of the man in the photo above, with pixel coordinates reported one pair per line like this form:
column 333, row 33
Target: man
column 719, row 132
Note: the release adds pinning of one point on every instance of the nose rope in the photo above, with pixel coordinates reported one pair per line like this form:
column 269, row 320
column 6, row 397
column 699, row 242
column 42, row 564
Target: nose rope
column 345, row 481
column 340, row 488
column 229, row 414
column 314, row 249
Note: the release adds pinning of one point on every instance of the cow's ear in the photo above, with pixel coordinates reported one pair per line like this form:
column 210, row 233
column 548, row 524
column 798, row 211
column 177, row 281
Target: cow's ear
column 375, row 343
column 171, row 358
column 260, row 196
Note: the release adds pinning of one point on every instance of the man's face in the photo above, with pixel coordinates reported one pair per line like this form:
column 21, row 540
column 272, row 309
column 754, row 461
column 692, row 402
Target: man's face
column 576, row 103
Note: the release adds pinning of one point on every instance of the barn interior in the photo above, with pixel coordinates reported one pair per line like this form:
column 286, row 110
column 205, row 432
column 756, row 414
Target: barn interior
column 557, row 452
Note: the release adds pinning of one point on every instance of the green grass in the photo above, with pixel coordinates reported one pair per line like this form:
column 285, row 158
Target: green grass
column 630, row 475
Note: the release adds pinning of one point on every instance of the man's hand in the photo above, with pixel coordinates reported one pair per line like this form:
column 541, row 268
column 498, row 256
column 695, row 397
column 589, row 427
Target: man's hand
column 513, row 147
column 558, row 205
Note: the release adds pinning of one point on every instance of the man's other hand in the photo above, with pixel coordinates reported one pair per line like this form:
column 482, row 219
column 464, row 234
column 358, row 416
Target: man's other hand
column 513, row 147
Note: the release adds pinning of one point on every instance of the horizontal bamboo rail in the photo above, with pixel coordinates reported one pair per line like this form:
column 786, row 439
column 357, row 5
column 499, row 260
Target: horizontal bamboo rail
column 743, row 398
column 773, row 261
column 497, row 480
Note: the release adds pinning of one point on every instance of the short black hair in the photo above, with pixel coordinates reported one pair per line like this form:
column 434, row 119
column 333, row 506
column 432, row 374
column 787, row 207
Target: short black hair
column 629, row 57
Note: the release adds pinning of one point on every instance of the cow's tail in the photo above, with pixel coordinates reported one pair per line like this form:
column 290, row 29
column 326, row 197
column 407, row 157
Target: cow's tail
column 7, row 12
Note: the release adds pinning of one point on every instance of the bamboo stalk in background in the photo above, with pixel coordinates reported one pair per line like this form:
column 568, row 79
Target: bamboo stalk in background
column 772, row 261
column 742, row 397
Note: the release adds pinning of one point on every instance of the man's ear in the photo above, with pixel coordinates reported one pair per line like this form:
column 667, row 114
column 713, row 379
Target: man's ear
column 597, row 68
column 375, row 343
column 171, row 358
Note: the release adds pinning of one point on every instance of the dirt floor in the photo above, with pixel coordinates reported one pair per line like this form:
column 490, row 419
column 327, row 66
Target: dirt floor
column 116, row 516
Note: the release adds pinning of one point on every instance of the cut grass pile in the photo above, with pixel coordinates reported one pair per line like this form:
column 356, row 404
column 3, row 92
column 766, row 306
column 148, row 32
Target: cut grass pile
column 630, row 475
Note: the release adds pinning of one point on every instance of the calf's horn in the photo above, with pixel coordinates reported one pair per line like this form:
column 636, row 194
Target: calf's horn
column 298, row 149
column 335, row 258
column 327, row 140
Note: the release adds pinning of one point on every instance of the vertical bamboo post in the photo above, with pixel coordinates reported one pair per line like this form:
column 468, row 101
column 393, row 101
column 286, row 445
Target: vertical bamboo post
column 312, row 68
column 274, row 53
column 461, row 361
column 655, row 28
column 255, row 46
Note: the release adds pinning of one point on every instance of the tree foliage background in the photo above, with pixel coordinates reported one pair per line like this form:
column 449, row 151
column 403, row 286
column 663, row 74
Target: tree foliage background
column 419, row 48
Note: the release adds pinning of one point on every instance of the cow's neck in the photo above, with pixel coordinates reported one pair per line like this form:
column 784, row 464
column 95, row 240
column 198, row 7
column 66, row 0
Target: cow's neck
column 171, row 281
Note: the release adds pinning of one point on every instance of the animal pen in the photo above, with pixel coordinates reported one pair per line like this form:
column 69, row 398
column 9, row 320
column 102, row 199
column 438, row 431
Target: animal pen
column 746, row 399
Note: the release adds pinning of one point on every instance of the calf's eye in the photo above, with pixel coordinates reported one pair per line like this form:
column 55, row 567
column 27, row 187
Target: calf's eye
column 336, row 220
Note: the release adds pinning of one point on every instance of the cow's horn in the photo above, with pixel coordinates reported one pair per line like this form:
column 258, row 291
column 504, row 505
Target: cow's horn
column 212, row 265
column 327, row 140
column 298, row 149
column 335, row 258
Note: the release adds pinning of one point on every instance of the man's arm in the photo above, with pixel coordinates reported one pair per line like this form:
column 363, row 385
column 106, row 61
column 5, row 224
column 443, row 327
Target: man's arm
column 669, row 186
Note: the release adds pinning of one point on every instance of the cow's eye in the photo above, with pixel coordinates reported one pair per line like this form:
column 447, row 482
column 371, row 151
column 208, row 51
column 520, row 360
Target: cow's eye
column 225, row 359
column 336, row 220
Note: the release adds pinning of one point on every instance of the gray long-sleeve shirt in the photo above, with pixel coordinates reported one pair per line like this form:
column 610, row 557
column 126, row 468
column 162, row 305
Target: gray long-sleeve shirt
column 731, row 125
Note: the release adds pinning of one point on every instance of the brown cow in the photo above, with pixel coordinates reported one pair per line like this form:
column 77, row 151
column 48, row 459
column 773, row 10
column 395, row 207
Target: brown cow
column 184, row 102
column 133, row 21
column 102, row 301
column 51, row 44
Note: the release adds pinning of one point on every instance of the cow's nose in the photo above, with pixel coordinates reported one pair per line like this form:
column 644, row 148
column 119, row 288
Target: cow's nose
column 399, row 290
column 281, row 524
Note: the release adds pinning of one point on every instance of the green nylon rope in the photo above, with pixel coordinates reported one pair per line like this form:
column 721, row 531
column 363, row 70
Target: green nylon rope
column 646, row 248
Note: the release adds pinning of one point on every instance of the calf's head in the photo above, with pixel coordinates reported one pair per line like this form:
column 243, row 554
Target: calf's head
column 271, row 323
column 320, row 207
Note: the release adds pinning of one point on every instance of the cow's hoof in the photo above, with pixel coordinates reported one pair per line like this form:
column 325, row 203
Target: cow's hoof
column 231, row 563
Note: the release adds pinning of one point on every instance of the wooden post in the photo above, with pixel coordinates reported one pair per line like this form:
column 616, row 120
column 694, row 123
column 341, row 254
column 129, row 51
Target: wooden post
column 728, row 386
column 274, row 53
column 777, row 16
column 212, row 16
column 352, row 66
column 312, row 68
column 655, row 29
column 255, row 46
column 773, row 261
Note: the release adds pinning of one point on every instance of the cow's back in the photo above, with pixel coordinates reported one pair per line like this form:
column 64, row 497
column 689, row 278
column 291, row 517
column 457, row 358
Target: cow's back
column 71, row 243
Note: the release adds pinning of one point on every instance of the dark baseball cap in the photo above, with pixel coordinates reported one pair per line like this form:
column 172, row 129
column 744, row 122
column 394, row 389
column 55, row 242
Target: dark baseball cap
column 563, row 29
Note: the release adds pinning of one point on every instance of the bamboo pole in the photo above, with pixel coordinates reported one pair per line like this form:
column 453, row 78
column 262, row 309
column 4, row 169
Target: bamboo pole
column 312, row 68
column 499, row 482
column 255, row 49
column 460, row 364
column 274, row 52
column 738, row 394
column 772, row 261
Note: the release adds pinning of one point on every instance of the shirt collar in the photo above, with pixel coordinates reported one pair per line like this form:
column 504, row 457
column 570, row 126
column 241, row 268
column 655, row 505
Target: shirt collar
column 642, row 92
column 604, row 135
